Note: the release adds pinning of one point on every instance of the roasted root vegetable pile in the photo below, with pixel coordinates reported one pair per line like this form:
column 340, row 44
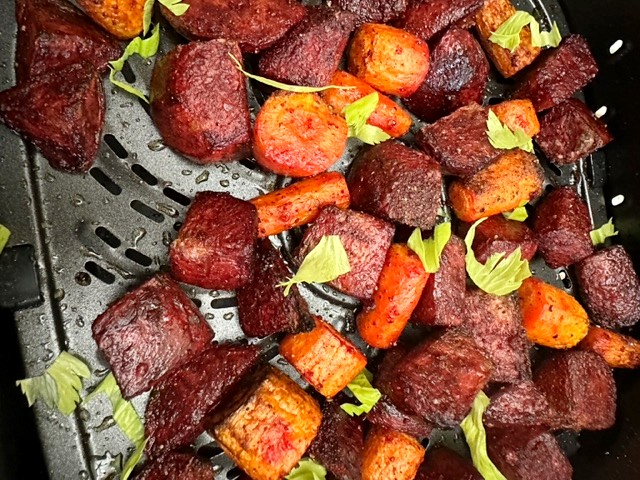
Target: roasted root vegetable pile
column 430, row 227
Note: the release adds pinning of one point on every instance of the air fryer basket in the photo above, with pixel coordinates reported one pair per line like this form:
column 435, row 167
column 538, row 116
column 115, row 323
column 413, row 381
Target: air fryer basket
column 94, row 236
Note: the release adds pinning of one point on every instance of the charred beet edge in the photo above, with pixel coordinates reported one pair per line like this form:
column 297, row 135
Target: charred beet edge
column 372, row 11
column 444, row 464
column 519, row 405
column 499, row 235
column 427, row 19
column 177, row 466
column 385, row 414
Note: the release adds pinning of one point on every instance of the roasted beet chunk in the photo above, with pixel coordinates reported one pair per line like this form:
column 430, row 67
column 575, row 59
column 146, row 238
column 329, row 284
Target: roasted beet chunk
column 178, row 466
column 499, row 235
column 254, row 24
column 180, row 402
column 580, row 389
column 457, row 76
column 148, row 332
column 421, row 381
column 262, row 306
column 443, row 464
column 426, row 19
column 199, row 102
column 374, row 11
column 61, row 112
column 386, row 415
column 54, row 34
column 310, row 53
column 569, row 132
column 609, row 287
column 339, row 443
column 561, row 73
column 562, row 225
column 396, row 183
column 523, row 454
column 442, row 301
column 366, row 240
column 521, row 405
column 459, row 141
column 495, row 323
column 215, row 246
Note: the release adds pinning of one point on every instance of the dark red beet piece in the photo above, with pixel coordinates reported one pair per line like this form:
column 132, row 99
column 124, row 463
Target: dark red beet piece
column 421, row 382
column 148, row 332
column 262, row 306
column 425, row 19
column 310, row 53
column 610, row 287
column 180, row 401
column 580, row 389
column 443, row 464
column 561, row 224
column 374, row 11
column 199, row 102
column 499, row 235
column 442, row 301
column 396, row 183
column 216, row 243
column 459, row 141
column 54, row 34
column 254, row 24
column 495, row 323
column 366, row 240
column 569, row 132
column 177, row 466
column 61, row 112
column 521, row 405
column 386, row 415
column 458, row 74
column 339, row 443
column 562, row 72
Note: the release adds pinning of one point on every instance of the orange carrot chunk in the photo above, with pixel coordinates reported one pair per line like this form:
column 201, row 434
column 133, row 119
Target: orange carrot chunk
column 121, row 18
column 518, row 114
column 619, row 351
column 389, row 454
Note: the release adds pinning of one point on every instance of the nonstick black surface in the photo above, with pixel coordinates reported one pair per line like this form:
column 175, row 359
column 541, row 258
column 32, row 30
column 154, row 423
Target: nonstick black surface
column 613, row 454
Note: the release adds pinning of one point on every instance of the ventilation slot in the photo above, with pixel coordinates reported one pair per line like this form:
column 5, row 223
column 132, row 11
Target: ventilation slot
column 128, row 74
column 100, row 273
column 136, row 256
column 224, row 302
column 147, row 211
column 250, row 164
column 107, row 237
column 555, row 169
column 102, row 178
column 115, row 146
column 144, row 174
column 176, row 196
column 234, row 473
column 177, row 226
column 145, row 106
column 197, row 302
column 210, row 450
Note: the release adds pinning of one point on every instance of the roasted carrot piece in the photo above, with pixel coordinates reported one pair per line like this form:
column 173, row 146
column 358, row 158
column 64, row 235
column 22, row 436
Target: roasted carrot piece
column 493, row 14
column 400, row 287
column 300, row 203
column 551, row 317
column 518, row 114
column 324, row 358
column 121, row 18
column 388, row 115
column 515, row 178
column 619, row 351
column 389, row 59
column 269, row 432
column 297, row 134
column 389, row 454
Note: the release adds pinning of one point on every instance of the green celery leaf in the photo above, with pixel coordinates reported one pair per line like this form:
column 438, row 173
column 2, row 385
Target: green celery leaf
column 518, row 214
column 371, row 135
column 177, row 7
column 508, row 33
column 59, row 386
column 5, row 233
column 357, row 113
column 146, row 16
column 501, row 136
column 133, row 460
column 364, row 393
column 476, row 437
column 598, row 236
column 280, row 85
column 545, row 39
column 430, row 250
column 498, row 276
column 327, row 261
column 126, row 87
column 307, row 469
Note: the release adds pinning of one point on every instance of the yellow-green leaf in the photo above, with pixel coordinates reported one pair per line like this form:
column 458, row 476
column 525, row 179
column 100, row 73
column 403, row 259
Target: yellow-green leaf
column 59, row 386
column 177, row 7
column 499, row 276
column 431, row 249
column 5, row 233
column 357, row 113
column 545, row 39
column 508, row 33
column 307, row 469
column 133, row 460
column 518, row 214
column 476, row 437
column 146, row 16
column 599, row 235
column 364, row 392
column 327, row 261
column 501, row 136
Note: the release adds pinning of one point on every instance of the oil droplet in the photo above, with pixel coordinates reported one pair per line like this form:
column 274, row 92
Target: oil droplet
column 80, row 321
column 156, row 145
column 83, row 279
column 59, row 294
column 137, row 235
column 78, row 200
column 228, row 316
column 107, row 422
column 49, row 178
column 166, row 238
column 187, row 172
column 224, row 183
column 83, row 475
column 84, row 414
column 235, row 176
column 169, row 210
column 203, row 177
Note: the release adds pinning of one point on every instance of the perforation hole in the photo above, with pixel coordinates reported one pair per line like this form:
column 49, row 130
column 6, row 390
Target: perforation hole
column 555, row 169
column 136, row 256
column 147, row 211
column 128, row 74
column 197, row 302
column 145, row 175
column 115, row 146
column 107, row 237
column 102, row 178
column 177, row 226
column 145, row 106
column 100, row 273
column 224, row 302
column 209, row 451
column 234, row 473
column 250, row 164
column 176, row 196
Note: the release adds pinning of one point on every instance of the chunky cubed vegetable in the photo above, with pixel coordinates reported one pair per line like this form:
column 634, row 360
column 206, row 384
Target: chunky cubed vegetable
column 149, row 332
column 519, row 405
column 552, row 317
column 619, row 351
column 177, row 466
column 324, row 358
column 428, row 19
column 267, row 434
column 390, row 454
column 374, row 10
column 216, row 243
column 366, row 240
column 518, row 114
column 440, row 463
column 389, row 59
column 397, row 183
column 499, row 235
column 121, row 18
column 580, row 389
column 515, row 178
column 386, row 415
column 609, row 287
